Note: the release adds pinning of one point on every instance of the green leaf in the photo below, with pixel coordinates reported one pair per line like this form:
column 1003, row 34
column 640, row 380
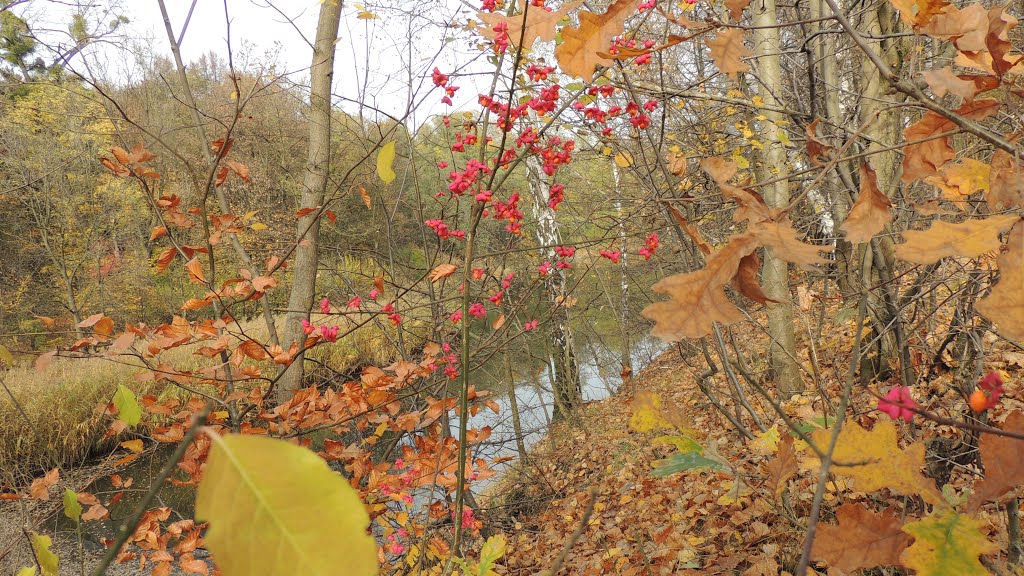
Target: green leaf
column 947, row 544
column 128, row 408
column 277, row 508
column 72, row 509
column 385, row 163
column 47, row 559
column 682, row 462
column 490, row 553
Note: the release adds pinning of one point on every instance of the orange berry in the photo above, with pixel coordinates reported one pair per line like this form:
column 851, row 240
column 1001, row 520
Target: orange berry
column 978, row 401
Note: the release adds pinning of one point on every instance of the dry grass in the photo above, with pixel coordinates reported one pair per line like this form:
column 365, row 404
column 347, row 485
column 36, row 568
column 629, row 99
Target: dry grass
column 61, row 402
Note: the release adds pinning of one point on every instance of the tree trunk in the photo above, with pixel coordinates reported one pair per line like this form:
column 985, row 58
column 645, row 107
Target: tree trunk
column 314, row 186
column 566, row 381
column 775, row 272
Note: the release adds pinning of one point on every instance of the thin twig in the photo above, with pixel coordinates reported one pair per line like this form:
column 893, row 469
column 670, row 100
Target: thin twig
column 553, row 571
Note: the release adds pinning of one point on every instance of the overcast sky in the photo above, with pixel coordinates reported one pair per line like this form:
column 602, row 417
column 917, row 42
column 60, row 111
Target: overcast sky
column 372, row 60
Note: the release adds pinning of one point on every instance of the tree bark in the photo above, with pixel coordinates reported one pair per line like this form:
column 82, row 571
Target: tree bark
column 314, row 186
column 566, row 381
column 775, row 271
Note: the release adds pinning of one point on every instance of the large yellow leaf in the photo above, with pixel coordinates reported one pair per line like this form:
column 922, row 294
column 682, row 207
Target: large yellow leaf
column 275, row 508
column 874, row 460
column 385, row 163
column 946, row 544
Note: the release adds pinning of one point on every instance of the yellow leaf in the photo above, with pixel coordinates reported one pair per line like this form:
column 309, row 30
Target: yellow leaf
column 132, row 445
column 277, row 508
column 767, row 442
column 259, row 226
column 874, row 460
column 385, row 163
column 947, row 544
column 758, row 101
column 624, row 159
column 47, row 559
column 647, row 413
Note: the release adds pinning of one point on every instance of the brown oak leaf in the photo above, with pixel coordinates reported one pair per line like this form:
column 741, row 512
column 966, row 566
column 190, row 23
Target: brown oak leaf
column 870, row 213
column 1004, row 468
column 967, row 239
column 540, row 23
column 577, row 55
column 1005, row 304
column 698, row 299
column 863, row 539
column 728, row 51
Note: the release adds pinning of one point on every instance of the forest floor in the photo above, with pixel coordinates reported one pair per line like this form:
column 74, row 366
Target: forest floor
column 741, row 521
column 738, row 520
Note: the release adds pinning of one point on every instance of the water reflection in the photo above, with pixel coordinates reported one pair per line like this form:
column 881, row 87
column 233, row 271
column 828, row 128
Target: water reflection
column 600, row 366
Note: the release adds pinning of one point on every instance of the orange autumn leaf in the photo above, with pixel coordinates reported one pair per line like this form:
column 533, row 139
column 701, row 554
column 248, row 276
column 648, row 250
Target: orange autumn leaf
column 728, row 51
column 736, row 8
column 132, row 445
column 870, row 213
column 783, row 466
column 784, row 239
column 367, row 200
column 165, row 258
column 691, row 231
column 577, row 55
column 195, row 271
column 967, row 239
column 959, row 180
column 442, row 271
column 1004, row 305
column 943, row 81
column 1006, row 182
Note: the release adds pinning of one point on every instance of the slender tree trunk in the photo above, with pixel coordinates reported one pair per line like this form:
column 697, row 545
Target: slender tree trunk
column 627, row 356
column 566, row 383
column 314, row 186
column 775, row 272
column 827, row 75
